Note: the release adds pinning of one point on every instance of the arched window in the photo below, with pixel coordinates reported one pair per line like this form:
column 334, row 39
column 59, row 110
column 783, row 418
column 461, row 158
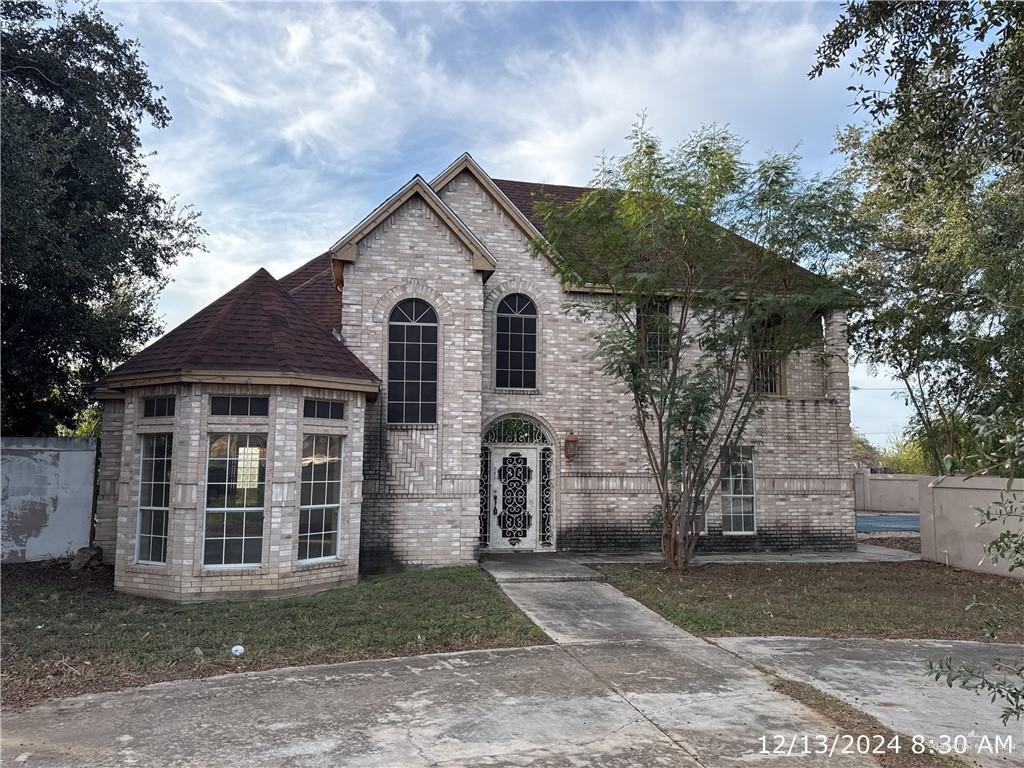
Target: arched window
column 515, row 365
column 412, row 363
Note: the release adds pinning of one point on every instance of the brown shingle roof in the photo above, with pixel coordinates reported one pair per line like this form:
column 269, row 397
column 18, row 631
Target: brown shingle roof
column 523, row 194
column 257, row 326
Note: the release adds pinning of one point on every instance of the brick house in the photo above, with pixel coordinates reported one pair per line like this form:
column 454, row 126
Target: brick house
column 415, row 396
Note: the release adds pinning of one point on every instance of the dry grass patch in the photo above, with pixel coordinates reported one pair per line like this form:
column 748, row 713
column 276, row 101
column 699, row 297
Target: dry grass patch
column 66, row 633
column 883, row 600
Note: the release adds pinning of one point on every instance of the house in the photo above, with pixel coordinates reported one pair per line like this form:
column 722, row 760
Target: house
column 415, row 396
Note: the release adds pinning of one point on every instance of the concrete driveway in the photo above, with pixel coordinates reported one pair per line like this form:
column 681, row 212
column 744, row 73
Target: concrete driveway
column 622, row 687
column 888, row 680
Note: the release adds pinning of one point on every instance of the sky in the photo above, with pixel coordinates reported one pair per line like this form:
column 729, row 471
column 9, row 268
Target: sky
column 291, row 121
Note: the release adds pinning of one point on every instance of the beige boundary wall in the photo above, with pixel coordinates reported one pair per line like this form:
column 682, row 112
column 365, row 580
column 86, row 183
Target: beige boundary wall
column 887, row 493
column 949, row 530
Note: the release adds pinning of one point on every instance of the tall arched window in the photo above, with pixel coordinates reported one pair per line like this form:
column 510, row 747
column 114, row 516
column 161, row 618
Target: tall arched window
column 515, row 365
column 412, row 363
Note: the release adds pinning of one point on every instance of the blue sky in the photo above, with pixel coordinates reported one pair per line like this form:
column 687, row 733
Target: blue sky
column 293, row 120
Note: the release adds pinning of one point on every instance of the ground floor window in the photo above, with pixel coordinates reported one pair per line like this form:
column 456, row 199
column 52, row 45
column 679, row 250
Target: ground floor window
column 320, row 497
column 236, row 473
column 154, row 498
column 738, row 490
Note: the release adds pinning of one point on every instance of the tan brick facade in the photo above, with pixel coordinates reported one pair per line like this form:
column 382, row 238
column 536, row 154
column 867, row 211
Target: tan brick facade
column 184, row 576
column 412, row 492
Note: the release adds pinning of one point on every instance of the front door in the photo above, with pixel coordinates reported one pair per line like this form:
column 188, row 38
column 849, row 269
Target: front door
column 514, row 498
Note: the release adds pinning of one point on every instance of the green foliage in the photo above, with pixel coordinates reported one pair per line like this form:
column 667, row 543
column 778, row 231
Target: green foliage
column 941, row 286
column 696, row 256
column 87, row 238
column 906, row 456
column 865, row 454
column 946, row 77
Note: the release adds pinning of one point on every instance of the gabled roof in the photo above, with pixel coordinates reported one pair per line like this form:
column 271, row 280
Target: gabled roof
column 466, row 163
column 257, row 329
column 346, row 249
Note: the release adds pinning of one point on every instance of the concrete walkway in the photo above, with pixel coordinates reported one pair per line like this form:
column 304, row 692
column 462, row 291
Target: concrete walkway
column 888, row 680
column 713, row 706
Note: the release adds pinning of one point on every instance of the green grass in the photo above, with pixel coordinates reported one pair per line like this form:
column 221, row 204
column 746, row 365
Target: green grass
column 65, row 633
column 885, row 600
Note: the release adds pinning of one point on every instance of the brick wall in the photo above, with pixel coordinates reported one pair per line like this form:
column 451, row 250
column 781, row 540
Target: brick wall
column 420, row 500
column 184, row 576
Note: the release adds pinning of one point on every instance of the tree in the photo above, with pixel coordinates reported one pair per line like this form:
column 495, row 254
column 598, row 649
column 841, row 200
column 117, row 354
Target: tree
column 865, row 454
column 945, row 78
column 87, row 237
column 942, row 285
column 695, row 257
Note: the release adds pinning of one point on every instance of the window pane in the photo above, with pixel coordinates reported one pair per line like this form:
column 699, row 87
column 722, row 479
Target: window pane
column 412, row 356
column 220, row 406
column 309, row 409
column 259, row 406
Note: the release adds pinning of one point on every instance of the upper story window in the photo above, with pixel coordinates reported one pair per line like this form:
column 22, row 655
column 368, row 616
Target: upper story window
column 157, row 406
column 238, row 405
column 412, row 363
column 323, row 409
column 654, row 331
column 767, row 365
column 515, row 360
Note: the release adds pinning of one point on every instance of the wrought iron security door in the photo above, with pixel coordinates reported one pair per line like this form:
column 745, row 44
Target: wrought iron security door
column 514, row 497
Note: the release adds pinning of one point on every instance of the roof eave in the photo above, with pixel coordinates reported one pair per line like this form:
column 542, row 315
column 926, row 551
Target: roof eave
column 287, row 378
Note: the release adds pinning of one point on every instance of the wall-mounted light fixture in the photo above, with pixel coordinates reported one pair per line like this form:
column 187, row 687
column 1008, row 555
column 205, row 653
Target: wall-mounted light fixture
column 571, row 445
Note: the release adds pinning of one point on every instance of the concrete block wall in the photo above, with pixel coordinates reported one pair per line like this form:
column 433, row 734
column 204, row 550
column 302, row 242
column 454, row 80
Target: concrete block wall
column 46, row 504
column 184, row 576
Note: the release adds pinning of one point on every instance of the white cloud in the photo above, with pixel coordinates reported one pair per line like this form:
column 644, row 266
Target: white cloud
column 292, row 121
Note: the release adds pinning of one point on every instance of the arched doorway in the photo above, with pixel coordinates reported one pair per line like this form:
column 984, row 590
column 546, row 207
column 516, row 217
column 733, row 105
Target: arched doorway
column 516, row 486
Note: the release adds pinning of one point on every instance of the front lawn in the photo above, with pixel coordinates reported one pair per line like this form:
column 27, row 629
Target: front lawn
column 67, row 633
column 885, row 600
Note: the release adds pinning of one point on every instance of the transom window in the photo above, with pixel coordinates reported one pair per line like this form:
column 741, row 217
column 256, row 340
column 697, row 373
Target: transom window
column 320, row 497
column 323, row 409
column 412, row 363
column 515, row 365
column 154, row 498
column 154, row 407
column 238, row 405
column 236, row 473
column 738, row 490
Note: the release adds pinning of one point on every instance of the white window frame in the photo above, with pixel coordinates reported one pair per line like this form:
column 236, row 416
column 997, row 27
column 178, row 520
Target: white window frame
column 311, row 507
column 169, row 458
column 229, row 510
column 728, row 458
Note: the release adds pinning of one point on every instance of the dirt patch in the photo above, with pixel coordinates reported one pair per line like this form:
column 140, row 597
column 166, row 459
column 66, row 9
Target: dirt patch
column 850, row 720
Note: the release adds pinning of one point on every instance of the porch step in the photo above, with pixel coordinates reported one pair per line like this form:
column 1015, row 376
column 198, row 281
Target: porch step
column 520, row 567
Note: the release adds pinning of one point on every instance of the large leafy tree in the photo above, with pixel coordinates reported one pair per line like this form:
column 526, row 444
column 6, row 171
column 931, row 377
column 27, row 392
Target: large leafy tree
column 945, row 77
column 942, row 166
column 687, row 265
column 87, row 237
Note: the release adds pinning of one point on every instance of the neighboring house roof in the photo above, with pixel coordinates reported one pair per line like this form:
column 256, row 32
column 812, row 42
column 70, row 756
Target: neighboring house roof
column 256, row 329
